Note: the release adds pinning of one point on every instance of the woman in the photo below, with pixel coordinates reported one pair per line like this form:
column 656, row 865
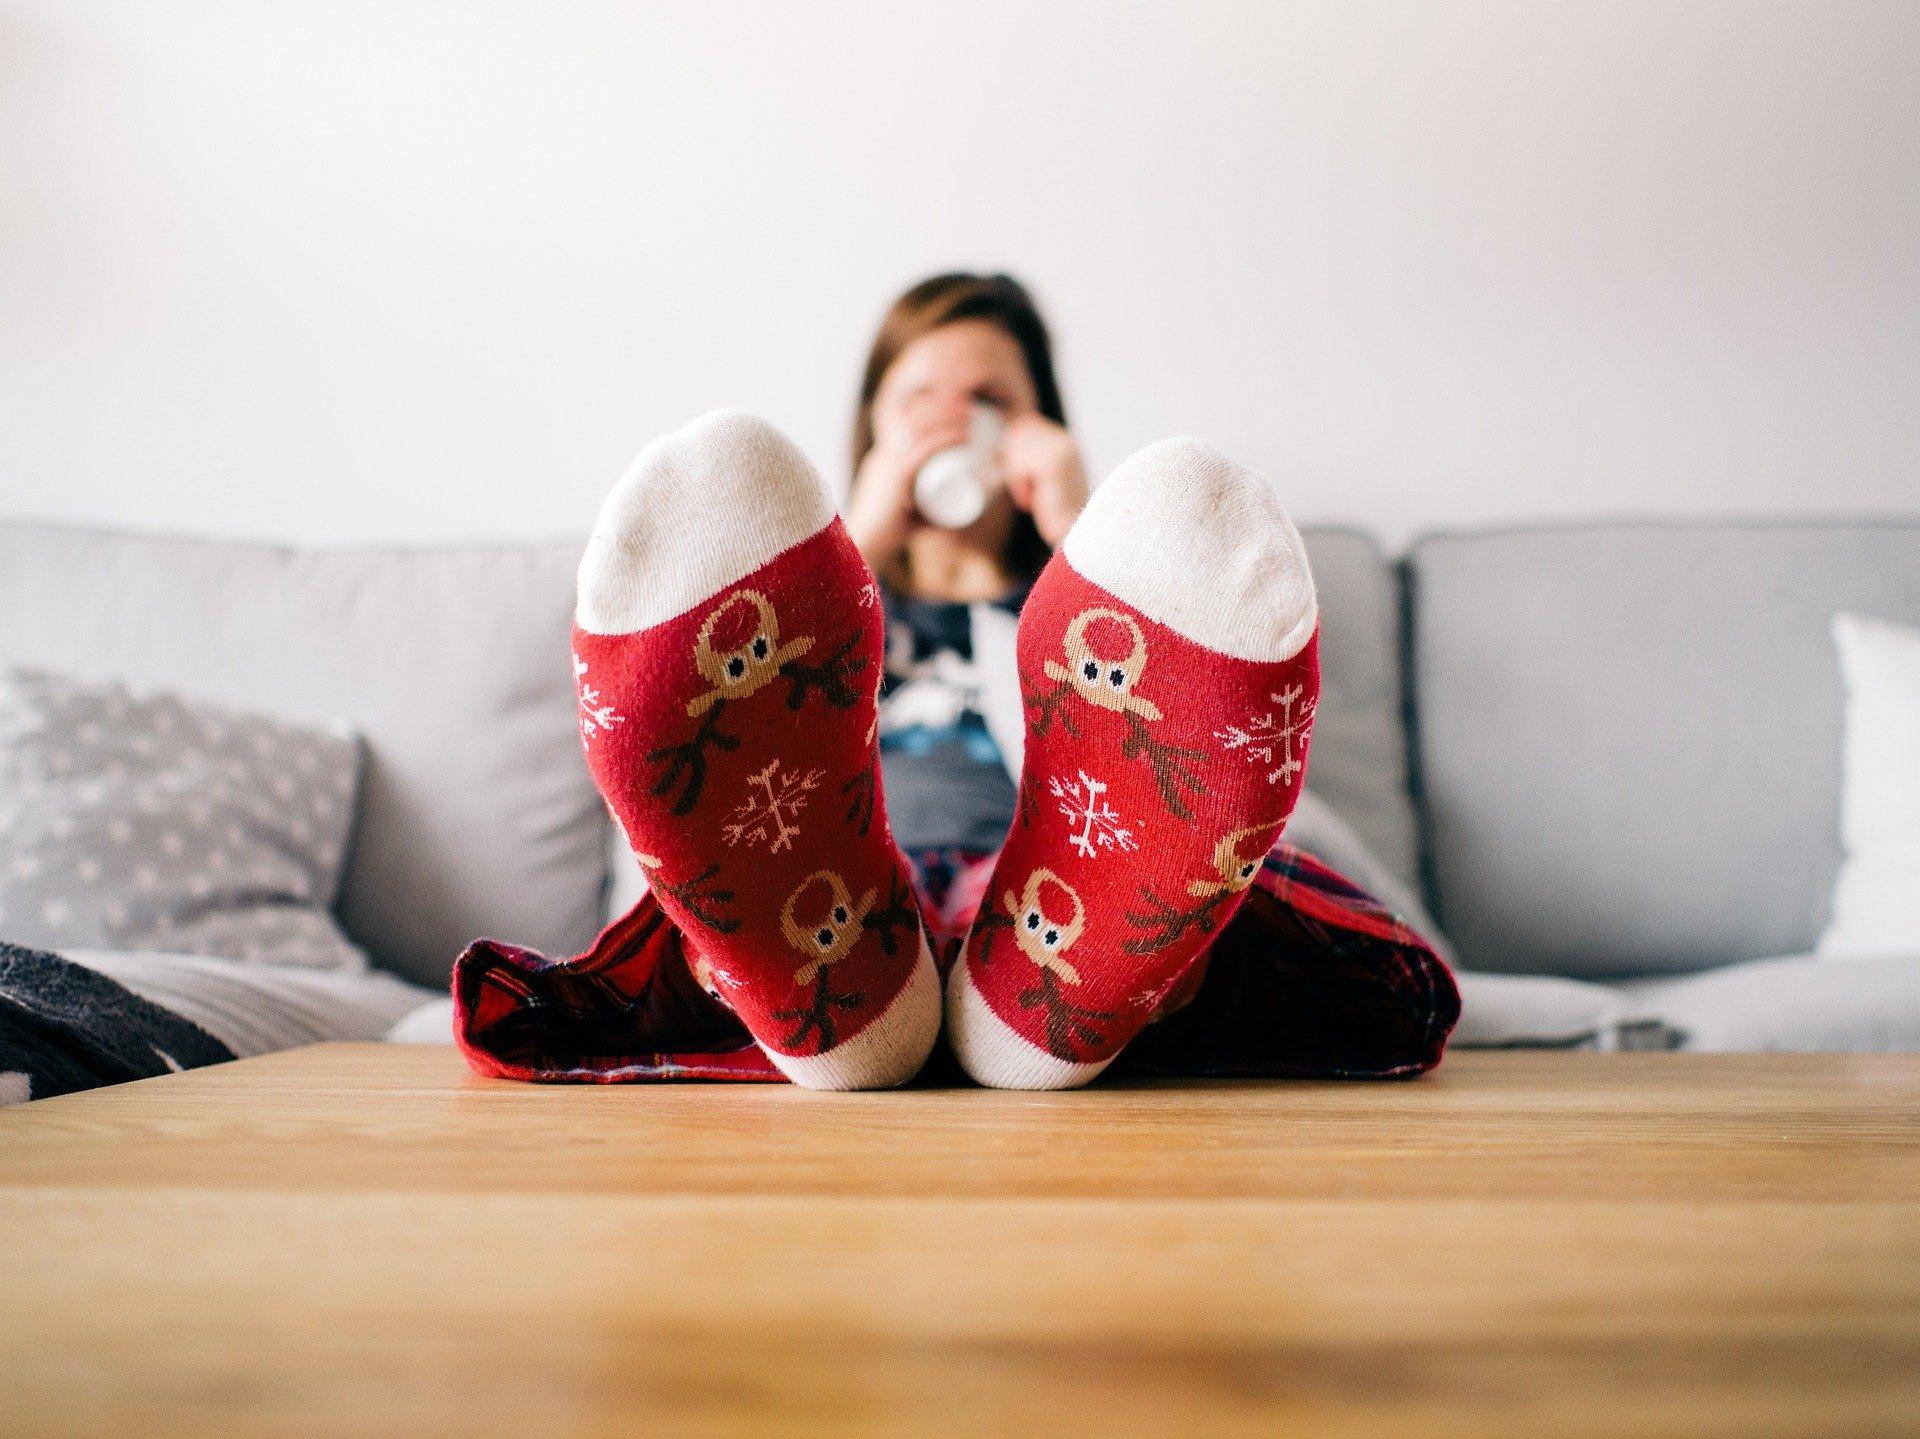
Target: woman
column 948, row 345
column 820, row 832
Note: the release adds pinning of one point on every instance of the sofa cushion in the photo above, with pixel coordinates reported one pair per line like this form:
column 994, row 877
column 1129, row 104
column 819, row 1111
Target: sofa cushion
column 1359, row 760
column 132, row 818
column 1876, row 900
column 476, row 814
column 1536, row 1011
column 261, row 1009
column 1628, row 736
column 1865, row 1006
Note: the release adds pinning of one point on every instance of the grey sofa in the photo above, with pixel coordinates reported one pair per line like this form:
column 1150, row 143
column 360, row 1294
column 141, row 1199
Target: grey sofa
column 1605, row 755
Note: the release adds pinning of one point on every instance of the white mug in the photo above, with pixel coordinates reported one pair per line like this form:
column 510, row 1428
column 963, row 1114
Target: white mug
column 955, row 484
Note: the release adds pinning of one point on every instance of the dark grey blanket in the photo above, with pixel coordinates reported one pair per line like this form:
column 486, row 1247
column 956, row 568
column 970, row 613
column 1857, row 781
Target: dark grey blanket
column 64, row 1027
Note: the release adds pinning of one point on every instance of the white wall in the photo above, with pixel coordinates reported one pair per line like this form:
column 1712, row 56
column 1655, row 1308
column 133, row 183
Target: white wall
column 339, row 271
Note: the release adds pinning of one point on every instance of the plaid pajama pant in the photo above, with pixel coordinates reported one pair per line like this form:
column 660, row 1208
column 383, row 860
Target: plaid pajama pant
column 1311, row 978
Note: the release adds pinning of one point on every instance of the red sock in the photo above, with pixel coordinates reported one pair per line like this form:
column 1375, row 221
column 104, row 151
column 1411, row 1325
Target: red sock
column 1169, row 661
column 727, row 653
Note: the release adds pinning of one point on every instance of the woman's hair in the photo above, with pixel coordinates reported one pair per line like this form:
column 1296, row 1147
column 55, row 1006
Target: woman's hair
column 1000, row 300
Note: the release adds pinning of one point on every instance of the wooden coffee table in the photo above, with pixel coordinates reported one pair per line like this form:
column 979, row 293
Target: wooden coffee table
column 369, row 1239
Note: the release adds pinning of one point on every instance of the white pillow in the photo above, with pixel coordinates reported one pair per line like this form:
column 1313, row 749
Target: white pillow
column 1876, row 903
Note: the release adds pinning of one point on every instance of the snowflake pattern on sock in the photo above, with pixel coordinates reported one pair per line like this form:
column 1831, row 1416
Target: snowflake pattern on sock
column 771, row 817
column 1282, row 732
column 1097, row 825
column 596, row 715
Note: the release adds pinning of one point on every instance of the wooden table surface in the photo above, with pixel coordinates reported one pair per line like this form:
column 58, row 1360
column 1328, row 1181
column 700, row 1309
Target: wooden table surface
column 369, row 1239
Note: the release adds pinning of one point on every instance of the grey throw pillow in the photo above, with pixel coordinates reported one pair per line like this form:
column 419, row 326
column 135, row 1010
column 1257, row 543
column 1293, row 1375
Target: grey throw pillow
column 132, row 819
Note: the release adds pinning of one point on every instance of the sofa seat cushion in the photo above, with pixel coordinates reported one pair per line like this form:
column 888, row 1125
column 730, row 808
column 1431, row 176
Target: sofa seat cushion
column 260, row 1009
column 1534, row 1011
column 1868, row 1006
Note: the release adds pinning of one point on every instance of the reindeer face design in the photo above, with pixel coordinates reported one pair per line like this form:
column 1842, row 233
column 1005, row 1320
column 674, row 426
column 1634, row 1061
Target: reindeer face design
column 822, row 921
column 1105, row 679
column 738, row 649
column 1042, row 932
column 1235, row 867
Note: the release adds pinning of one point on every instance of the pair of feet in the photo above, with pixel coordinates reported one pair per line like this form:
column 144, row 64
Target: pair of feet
column 728, row 645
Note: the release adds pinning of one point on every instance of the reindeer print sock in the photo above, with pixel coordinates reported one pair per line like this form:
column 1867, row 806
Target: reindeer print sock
column 1170, row 667
column 727, row 654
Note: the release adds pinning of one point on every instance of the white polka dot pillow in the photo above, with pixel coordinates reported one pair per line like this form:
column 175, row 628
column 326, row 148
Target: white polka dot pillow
column 136, row 820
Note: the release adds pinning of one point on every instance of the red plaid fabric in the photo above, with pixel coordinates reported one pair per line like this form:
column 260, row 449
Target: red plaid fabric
column 1311, row 978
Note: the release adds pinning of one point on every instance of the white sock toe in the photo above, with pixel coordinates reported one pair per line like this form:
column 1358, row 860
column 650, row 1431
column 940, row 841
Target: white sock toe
column 888, row 1052
column 696, row 511
column 1203, row 545
column 994, row 1055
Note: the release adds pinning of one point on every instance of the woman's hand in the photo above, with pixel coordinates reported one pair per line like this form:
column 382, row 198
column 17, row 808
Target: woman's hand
column 880, row 514
column 1045, row 476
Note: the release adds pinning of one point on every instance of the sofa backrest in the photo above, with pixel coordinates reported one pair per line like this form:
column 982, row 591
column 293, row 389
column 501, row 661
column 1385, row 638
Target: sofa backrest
column 1359, row 760
column 477, row 816
column 1627, row 736
column 476, row 813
